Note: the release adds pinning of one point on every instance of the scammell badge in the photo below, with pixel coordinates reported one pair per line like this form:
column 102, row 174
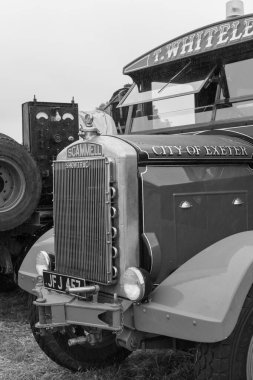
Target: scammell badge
column 82, row 150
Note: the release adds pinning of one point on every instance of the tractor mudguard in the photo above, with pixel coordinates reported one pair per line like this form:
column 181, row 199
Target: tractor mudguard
column 27, row 274
column 201, row 301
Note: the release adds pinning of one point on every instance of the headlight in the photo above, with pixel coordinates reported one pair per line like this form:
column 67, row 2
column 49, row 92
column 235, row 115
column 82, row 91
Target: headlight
column 136, row 284
column 42, row 262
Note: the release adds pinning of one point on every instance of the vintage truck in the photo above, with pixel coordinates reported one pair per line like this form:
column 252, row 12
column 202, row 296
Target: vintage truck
column 152, row 244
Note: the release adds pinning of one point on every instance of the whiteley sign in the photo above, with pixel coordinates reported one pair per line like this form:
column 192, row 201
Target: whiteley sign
column 200, row 41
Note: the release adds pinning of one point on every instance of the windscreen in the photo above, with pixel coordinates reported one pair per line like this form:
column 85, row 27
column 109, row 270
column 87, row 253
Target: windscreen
column 187, row 80
column 196, row 93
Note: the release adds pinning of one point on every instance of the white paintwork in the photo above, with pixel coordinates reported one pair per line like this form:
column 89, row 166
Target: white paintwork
column 202, row 300
column 27, row 274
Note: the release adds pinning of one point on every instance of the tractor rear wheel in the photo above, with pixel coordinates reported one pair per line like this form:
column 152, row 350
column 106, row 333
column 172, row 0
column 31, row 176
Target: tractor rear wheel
column 20, row 184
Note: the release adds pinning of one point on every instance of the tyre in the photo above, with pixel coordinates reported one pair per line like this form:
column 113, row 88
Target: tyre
column 20, row 184
column 231, row 359
column 7, row 283
column 78, row 357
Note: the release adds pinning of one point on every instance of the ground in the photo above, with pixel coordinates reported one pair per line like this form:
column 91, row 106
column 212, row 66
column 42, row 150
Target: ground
column 22, row 359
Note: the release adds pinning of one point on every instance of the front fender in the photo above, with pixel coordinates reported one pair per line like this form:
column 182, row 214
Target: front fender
column 201, row 301
column 27, row 274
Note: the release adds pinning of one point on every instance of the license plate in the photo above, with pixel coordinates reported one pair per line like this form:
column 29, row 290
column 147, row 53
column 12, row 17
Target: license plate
column 59, row 282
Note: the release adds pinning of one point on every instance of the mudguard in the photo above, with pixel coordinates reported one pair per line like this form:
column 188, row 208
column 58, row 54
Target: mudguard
column 27, row 274
column 202, row 300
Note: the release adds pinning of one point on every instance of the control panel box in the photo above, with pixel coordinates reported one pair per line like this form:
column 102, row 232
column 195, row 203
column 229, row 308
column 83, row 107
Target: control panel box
column 48, row 127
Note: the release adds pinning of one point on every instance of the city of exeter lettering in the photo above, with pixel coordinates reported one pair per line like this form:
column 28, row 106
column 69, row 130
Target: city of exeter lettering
column 194, row 150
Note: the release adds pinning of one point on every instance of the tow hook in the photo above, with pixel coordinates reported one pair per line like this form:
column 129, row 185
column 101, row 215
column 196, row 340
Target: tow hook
column 91, row 338
column 79, row 340
column 92, row 289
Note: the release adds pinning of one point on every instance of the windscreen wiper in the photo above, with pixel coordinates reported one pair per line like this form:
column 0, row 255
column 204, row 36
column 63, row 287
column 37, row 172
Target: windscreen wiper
column 174, row 77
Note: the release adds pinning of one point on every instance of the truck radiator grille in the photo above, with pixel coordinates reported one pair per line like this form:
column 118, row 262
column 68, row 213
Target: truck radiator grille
column 82, row 219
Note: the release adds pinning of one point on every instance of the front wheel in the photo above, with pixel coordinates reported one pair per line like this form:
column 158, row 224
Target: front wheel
column 78, row 357
column 231, row 359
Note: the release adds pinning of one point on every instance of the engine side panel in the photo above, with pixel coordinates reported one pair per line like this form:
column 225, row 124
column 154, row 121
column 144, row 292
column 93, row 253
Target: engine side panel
column 188, row 208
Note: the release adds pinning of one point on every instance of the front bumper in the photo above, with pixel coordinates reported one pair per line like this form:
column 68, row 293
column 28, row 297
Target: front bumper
column 56, row 310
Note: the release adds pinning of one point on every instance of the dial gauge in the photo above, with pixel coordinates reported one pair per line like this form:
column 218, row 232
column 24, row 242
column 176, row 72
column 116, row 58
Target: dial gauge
column 67, row 115
column 41, row 115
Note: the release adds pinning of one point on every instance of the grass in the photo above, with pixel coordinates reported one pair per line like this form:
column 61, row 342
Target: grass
column 22, row 359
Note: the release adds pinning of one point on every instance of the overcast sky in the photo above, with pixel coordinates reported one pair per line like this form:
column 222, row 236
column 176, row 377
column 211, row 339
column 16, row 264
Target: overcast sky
column 57, row 49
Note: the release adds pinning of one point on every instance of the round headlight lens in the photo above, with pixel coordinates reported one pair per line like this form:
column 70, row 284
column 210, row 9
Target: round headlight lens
column 42, row 262
column 134, row 284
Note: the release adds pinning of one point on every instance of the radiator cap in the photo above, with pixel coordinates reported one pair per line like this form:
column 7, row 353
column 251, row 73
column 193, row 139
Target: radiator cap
column 87, row 130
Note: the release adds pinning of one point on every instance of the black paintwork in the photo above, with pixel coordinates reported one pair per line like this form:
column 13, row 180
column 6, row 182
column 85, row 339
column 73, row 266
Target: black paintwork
column 211, row 190
column 210, row 184
column 146, row 156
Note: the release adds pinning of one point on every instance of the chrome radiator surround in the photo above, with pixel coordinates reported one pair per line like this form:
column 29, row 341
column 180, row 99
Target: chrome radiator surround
column 83, row 230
